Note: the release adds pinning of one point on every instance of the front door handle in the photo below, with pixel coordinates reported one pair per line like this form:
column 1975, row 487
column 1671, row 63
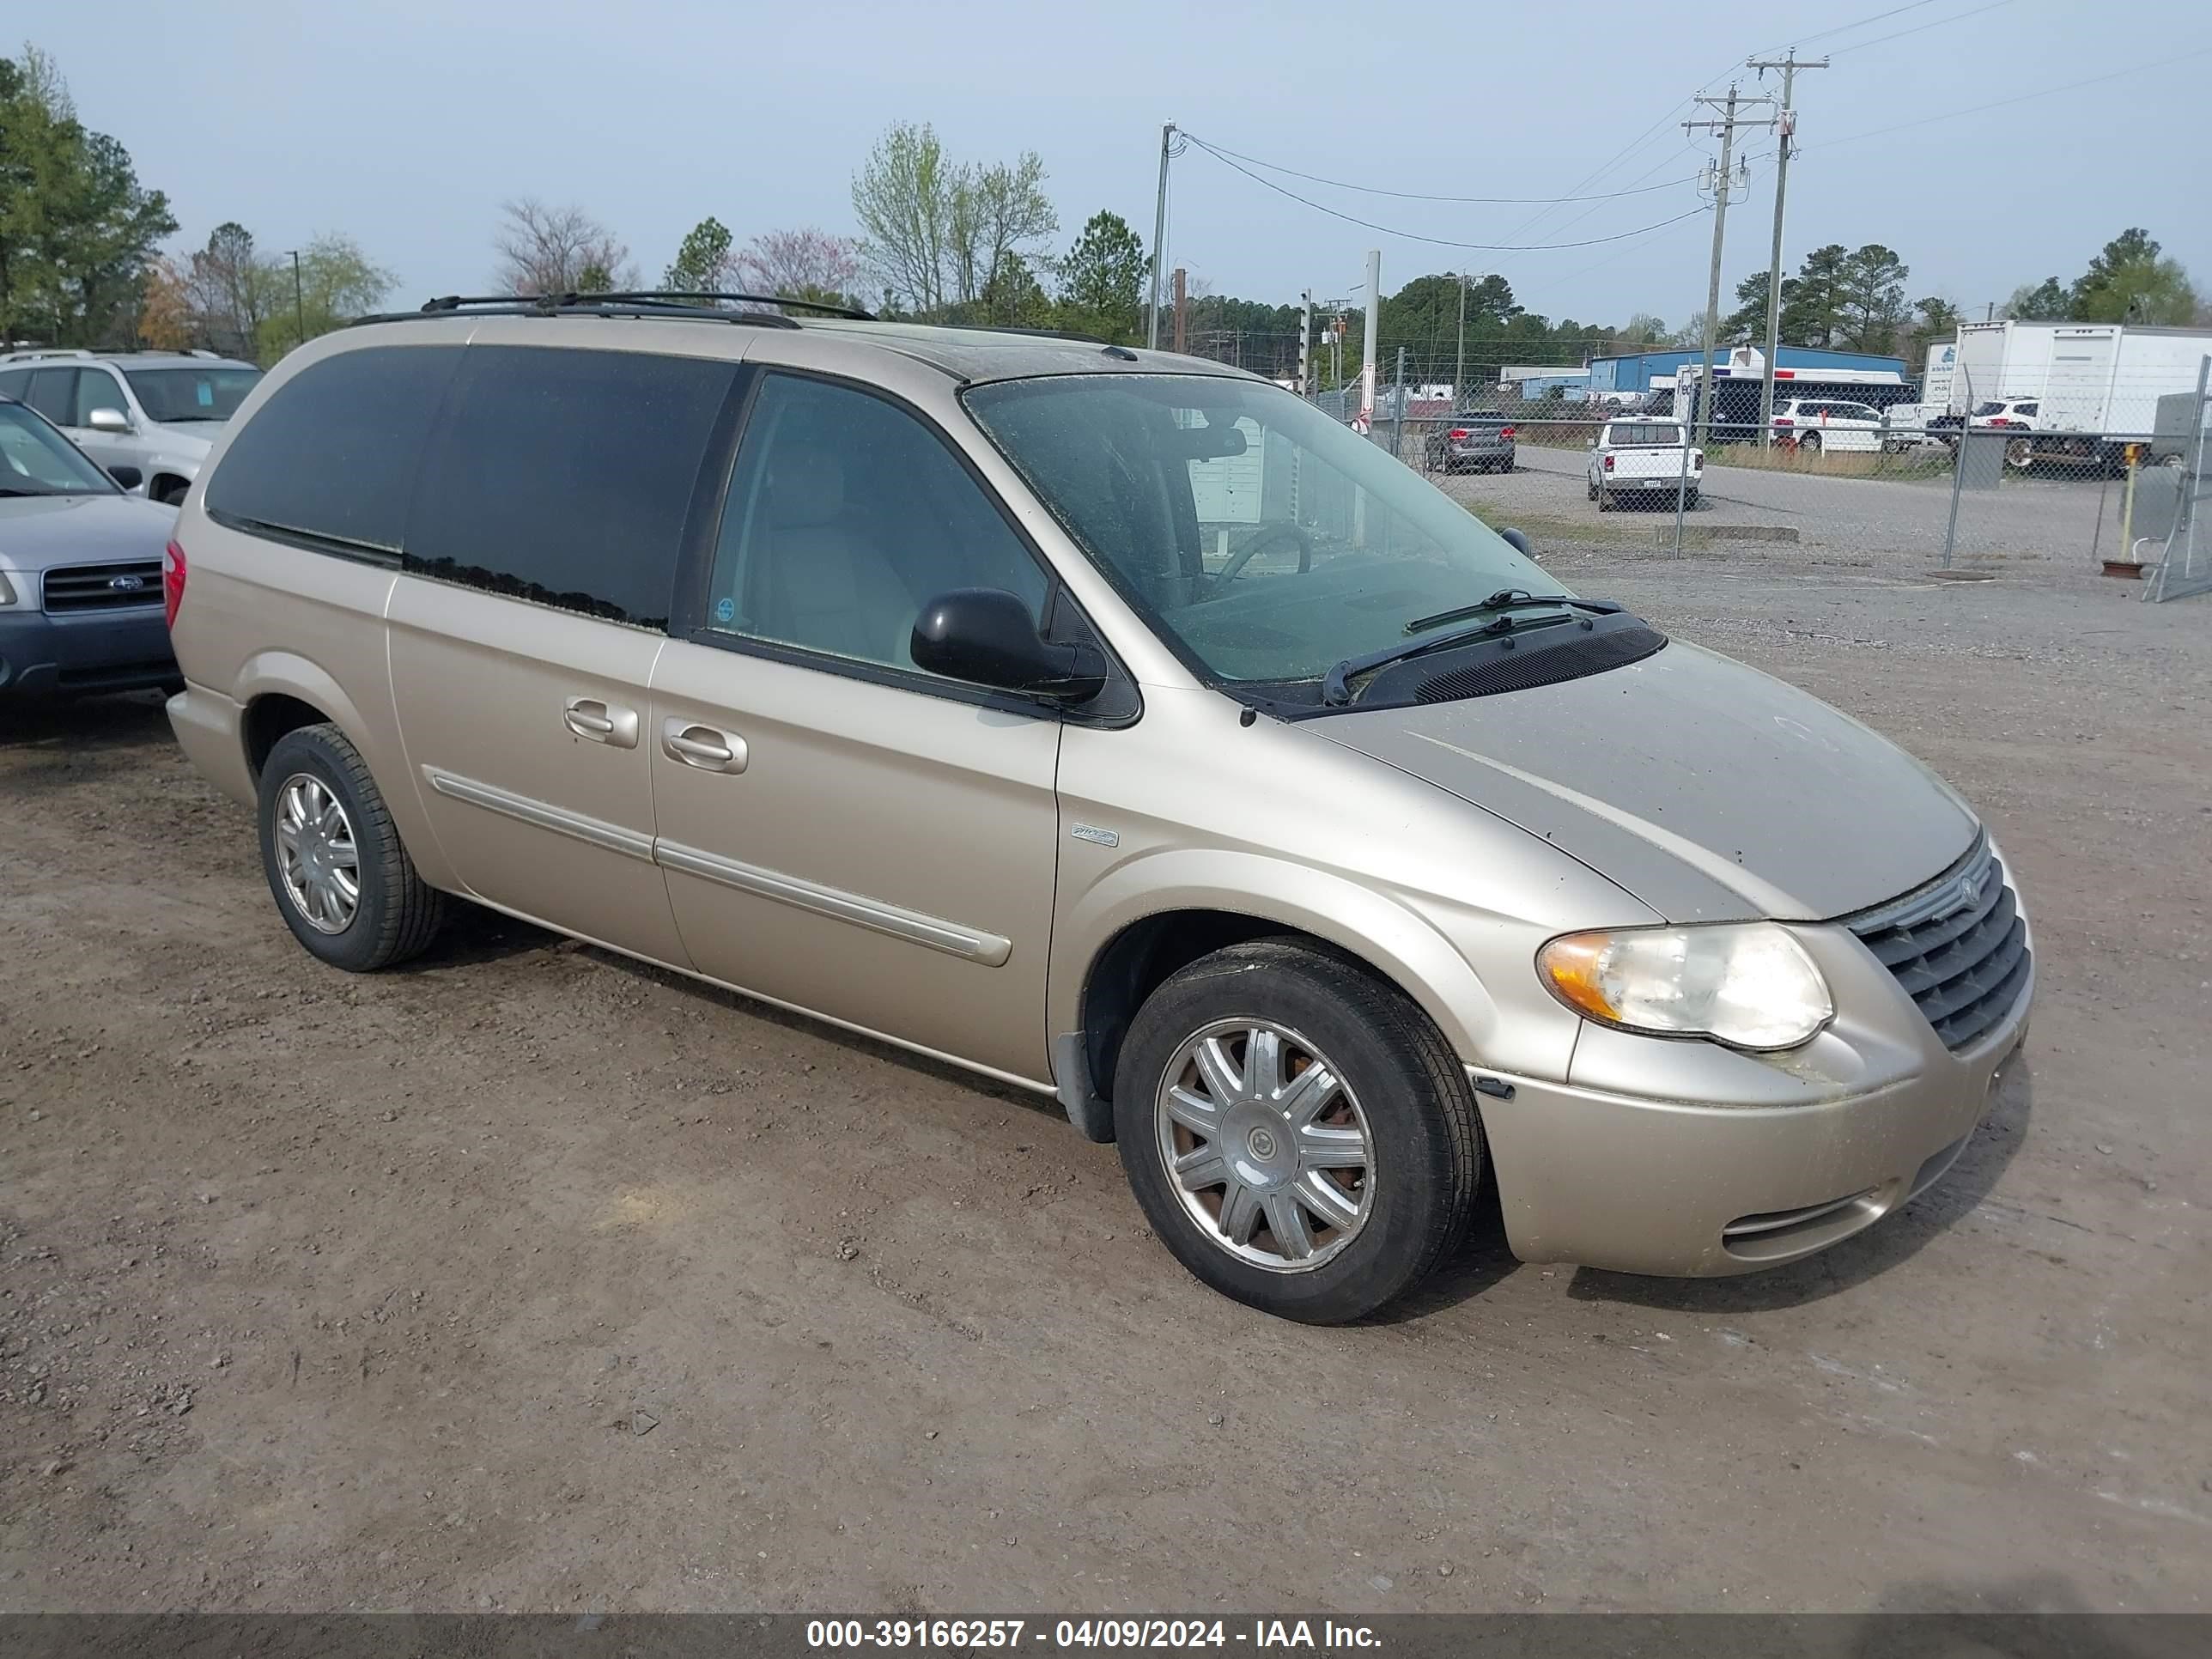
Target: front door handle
column 601, row 722
column 706, row 747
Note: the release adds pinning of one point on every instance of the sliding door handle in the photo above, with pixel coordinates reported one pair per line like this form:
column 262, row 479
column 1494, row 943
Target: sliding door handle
column 600, row 722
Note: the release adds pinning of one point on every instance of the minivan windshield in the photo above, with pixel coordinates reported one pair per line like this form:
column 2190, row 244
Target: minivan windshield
column 37, row 460
column 1265, row 540
column 170, row 395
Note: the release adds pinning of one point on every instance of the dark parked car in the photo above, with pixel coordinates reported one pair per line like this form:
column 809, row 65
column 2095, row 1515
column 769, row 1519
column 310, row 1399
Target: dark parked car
column 1479, row 443
column 81, row 571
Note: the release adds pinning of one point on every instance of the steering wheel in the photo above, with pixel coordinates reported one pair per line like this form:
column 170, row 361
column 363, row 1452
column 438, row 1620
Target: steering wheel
column 1273, row 532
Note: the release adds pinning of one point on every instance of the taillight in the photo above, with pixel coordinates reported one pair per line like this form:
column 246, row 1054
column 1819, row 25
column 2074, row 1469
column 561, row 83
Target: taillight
column 1783, row 420
column 1608, row 463
column 1999, row 420
column 172, row 582
column 1457, row 435
column 1504, row 431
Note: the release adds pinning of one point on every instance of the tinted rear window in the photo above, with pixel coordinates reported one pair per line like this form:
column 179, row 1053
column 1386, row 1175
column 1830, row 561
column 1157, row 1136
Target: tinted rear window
column 565, row 477
column 332, row 454
column 1630, row 435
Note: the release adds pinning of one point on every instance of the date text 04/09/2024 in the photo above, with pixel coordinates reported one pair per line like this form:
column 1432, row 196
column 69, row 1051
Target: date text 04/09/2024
column 970, row 1634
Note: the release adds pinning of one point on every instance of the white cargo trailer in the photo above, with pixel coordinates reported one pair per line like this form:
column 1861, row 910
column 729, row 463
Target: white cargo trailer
column 2098, row 384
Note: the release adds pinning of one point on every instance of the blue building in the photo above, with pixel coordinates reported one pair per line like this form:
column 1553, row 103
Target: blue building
column 1633, row 373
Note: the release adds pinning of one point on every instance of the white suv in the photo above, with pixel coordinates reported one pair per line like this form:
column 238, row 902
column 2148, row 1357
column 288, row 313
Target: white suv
column 1816, row 424
column 149, row 417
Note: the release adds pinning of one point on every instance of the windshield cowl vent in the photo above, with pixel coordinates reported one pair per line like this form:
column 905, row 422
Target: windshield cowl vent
column 1539, row 661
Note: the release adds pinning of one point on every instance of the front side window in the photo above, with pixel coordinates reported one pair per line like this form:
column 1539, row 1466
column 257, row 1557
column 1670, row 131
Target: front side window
column 172, row 395
column 1264, row 539
column 37, row 460
column 845, row 516
column 565, row 476
column 95, row 389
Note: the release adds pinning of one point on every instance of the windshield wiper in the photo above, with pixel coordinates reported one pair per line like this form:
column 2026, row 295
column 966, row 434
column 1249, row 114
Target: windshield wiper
column 1507, row 600
column 1336, row 688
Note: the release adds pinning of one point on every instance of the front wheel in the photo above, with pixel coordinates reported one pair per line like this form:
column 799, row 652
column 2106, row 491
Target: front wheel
column 1298, row 1134
column 343, row 879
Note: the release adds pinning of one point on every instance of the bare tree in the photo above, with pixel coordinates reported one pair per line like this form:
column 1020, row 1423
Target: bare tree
column 1008, row 214
column 806, row 264
column 558, row 250
column 228, row 290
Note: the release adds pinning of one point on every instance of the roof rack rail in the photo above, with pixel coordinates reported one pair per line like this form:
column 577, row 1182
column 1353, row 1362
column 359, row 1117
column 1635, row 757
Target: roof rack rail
column 824, row 307
column 25, row 354
column 1074, row 334
column 575, row 305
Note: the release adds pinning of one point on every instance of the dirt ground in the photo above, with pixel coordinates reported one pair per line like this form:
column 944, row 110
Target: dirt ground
column 530, row 1279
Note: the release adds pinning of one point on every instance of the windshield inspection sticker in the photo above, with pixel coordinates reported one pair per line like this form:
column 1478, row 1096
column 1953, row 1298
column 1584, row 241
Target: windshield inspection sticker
column 725, row 608
column 206, row 394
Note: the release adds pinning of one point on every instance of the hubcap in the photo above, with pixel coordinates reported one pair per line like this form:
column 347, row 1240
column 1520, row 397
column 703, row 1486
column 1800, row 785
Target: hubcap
column 316, row 854
column 1265, row 1145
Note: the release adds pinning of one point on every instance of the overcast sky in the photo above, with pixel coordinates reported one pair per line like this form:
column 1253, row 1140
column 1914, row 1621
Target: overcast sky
column 405, row 125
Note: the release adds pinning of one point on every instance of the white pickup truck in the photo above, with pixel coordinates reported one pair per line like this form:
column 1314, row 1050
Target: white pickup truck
column 1642, row 459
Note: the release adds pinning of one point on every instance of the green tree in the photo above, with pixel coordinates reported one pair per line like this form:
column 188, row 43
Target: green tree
column 2129, row 282
column 1870, row 306
column 1101, row 279
column 77, row 231
column 335, row 282
column 2047, row 301
column 904, row 196
column 1933, row 319
column 704, row 264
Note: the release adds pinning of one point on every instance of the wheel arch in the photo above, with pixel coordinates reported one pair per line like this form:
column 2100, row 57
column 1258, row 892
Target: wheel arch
column 1144, row 923
column 279, row 691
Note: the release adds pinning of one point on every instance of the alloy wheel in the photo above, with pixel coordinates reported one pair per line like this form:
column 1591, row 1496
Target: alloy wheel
column 317, row 854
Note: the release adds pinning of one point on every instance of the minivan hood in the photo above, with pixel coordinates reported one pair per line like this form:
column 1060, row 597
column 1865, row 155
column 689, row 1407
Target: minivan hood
column 1708, row 790
column 38, row 533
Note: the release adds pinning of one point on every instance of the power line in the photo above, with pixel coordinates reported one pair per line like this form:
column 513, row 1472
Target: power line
column 2024, row 98
column 1418, row 196
column 1435, row 241
column 1919, row 28
column 1845, row 28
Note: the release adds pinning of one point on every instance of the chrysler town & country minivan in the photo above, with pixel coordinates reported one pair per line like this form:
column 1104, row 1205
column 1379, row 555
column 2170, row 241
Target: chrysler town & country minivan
column 1112, row 724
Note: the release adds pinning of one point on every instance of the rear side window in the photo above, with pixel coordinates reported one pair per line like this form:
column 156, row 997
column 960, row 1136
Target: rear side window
column 565, row 476
column 332, row 454
column 53, row 393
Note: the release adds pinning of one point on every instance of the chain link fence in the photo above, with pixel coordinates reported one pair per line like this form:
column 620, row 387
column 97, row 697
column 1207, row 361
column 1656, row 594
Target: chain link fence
column 1977, row 474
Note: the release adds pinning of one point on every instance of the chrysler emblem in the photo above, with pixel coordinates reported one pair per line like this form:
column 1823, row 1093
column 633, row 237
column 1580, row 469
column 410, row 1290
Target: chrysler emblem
column 1970, row 888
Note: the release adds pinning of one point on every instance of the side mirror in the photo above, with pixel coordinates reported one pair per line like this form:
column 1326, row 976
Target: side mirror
column 108, row 420
column 1518, row 541
column 128, row 476
column 986, row 636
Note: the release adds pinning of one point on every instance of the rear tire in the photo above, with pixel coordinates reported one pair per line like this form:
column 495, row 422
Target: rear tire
column 1810, row 443
column 1400, row 1148
column 321, row 814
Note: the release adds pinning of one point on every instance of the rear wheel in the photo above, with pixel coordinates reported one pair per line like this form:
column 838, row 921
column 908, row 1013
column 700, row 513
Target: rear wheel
column 2020, row 453
column 1810, row 443
column 1298, row 1134
column 340, row 876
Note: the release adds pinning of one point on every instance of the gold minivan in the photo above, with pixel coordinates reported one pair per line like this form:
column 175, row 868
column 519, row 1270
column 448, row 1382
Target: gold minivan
column 1112, row 724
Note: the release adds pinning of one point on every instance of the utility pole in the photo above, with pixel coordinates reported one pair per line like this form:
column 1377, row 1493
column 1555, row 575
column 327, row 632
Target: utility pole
column 1305, row 344
column 1726, row 127
column 1159, row 236
column 1367, row 339
column 1459, row 357
column 298, row 303
column 1786, row 132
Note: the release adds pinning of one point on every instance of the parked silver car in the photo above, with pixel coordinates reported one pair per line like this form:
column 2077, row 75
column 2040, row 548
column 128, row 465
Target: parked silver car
column 1120, row 727
column 79, row 572
column 149, row 417
column 1470, row 443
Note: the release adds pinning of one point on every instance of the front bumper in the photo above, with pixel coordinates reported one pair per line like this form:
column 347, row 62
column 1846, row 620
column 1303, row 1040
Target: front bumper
column 43, row 657
column 1691, row 1187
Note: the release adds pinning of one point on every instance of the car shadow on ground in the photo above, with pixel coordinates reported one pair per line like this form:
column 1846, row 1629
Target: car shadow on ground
column 126, row 720
column 2037, row 1615
column 1996, row 1140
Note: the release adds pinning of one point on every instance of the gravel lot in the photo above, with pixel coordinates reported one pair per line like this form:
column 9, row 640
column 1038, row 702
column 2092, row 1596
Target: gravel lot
column 530, row 1279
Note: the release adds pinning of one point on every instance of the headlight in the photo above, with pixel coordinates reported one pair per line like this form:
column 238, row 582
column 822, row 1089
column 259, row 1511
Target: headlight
column 1747, row 984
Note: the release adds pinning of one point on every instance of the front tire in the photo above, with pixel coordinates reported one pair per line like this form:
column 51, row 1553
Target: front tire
column 1298, row 1134
column 341, row 877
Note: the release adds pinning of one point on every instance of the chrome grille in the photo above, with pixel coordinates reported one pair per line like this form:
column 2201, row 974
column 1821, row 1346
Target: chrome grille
column 1958, row 946
column 104, row 587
